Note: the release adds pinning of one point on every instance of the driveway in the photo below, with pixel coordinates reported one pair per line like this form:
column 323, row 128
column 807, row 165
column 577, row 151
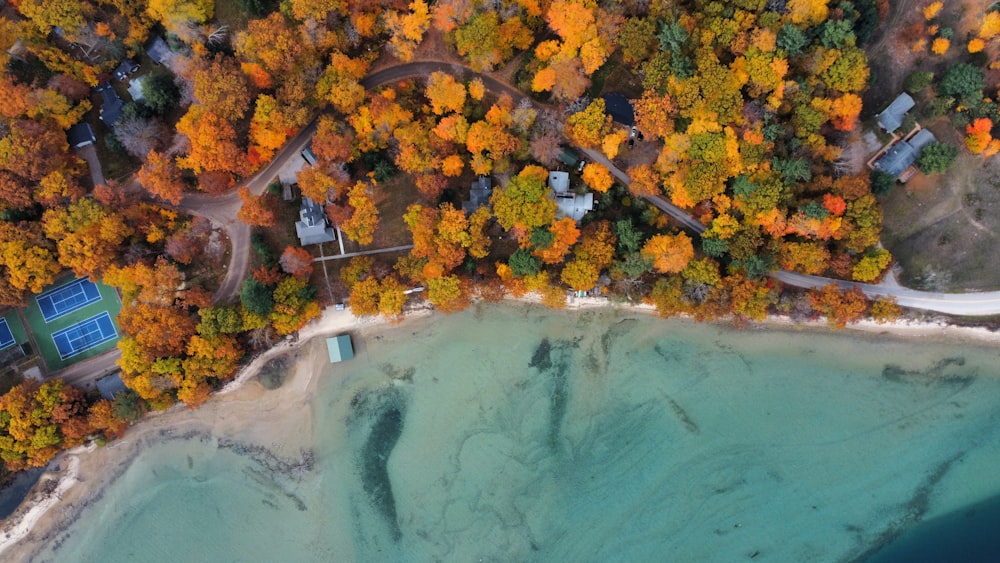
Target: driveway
column 89, row 153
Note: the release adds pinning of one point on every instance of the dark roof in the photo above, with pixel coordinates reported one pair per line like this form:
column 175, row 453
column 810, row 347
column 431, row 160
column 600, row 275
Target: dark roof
column 80, row 135
column 903, row 154
column 892, row 117
column 619, row 108
column 158, row 50
column 112, row 106
column 126, row 68
column 479, row 194
column 568, row 156
column 111, row 385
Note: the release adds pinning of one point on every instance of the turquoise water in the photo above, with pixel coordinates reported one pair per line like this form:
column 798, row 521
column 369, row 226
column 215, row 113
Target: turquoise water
column 515, row 434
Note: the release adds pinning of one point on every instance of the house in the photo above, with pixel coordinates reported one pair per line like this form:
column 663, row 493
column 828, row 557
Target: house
column 619, row 108
column 80, row 135
column 569, row 204
column 892, row 117
column 340, row 348
column 127, row 68
column 479, row 194
column 159, row 51
column 112, row 106
column 311, row 227
column 899, row 158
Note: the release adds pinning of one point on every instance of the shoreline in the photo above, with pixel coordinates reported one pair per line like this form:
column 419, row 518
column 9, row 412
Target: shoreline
column 229, row 410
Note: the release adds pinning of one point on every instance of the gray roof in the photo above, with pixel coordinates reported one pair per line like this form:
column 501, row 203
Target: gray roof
column 80, row 135
column 923, row 138
column 559, row 181
column 574, row 206
column 158, row 50
column 892, row 117
column 340, row 348
column 479, row 194
column 311, row 227
column 904, row 153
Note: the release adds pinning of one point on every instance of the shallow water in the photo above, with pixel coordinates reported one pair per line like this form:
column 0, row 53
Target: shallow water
column 517, row 434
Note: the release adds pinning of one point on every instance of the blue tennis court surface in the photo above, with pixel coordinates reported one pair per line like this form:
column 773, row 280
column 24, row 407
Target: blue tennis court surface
column 67, row 298
column 84, row 335
column 6, row 338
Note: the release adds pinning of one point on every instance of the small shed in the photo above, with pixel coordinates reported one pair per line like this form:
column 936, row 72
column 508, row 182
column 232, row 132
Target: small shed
column 892, row 117
column 80, row 135
column 340, row 348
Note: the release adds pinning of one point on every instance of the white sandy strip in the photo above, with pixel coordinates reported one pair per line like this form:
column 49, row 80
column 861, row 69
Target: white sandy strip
column 38, row 508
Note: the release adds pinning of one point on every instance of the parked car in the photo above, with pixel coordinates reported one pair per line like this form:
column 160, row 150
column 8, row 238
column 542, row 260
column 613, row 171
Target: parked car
column 579, row 167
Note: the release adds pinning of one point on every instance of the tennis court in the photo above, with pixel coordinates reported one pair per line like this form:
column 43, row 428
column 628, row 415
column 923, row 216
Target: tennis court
column 65, row 299
column 84, row 335
column 6, row 336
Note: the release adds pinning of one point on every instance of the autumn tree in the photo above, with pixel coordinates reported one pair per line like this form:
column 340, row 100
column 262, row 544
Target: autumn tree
column 297, row 261
column 87, row 235
column 339, row 84
column 444, row 93
column 256, row 211
column 160, row 176
column 221, row 87
column 597, row 176
column 561, row 235
column 360, row 226
column 588, row 127
column 487, row 42
column 212, row 142
column 28, row 260
column 407, row 29
column 840, row 307
column 668, row 253
column 524, row 202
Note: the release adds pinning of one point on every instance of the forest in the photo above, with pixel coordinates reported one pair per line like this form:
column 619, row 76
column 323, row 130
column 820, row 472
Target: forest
column 745, row 109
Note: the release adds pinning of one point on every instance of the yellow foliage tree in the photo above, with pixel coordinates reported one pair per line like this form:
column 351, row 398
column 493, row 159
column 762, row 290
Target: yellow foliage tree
column 597, row 176
column 932, row 10
column 940, row 46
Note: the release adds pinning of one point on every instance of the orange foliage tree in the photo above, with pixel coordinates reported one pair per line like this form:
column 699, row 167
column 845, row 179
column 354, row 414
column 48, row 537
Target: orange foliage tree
column 668, row 253
column 161, row 177
column 256, row 211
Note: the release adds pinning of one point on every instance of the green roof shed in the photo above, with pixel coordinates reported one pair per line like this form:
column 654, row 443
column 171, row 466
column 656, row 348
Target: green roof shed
column 340, row 348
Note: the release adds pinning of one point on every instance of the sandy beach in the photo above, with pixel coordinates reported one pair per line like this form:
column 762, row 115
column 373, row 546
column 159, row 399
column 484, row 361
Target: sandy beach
column 245, row 412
